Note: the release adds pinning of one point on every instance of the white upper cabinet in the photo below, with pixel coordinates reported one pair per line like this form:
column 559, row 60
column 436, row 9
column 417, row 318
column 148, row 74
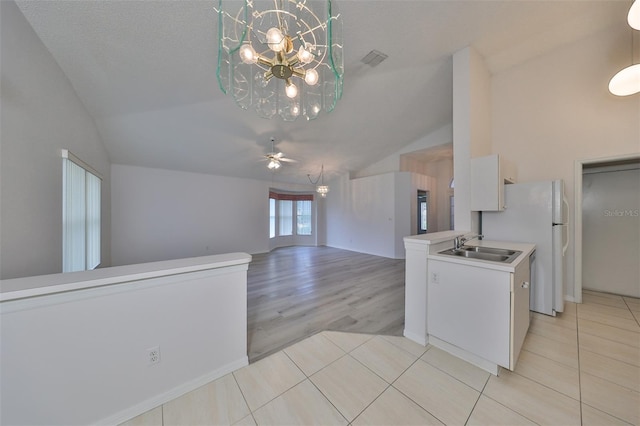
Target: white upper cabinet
column 488, row 176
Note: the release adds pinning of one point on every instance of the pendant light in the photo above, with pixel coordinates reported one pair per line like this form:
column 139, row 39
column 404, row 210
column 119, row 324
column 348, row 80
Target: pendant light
column 634, row 15
column 627, row 81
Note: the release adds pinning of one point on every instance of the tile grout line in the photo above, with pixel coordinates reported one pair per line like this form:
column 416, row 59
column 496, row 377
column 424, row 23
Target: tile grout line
column 312, row 382
column 407, row 396
column 244, row 398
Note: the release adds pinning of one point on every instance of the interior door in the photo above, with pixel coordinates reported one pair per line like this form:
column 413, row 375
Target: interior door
column 611, row 230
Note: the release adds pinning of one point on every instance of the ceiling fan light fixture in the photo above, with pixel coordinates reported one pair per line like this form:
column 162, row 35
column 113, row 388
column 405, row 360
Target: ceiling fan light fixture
column 273, row 164
column 299, row 42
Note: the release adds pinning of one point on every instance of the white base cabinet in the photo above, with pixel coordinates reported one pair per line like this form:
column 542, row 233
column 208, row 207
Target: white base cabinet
column 479, row 310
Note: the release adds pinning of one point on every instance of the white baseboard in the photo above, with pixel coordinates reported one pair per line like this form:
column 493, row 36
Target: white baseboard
column 155, row 401
column 471, row 358
column 421, row 340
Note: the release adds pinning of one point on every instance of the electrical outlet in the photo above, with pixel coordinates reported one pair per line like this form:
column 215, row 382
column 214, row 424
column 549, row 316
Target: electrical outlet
column 153, row 355
column 435, row 277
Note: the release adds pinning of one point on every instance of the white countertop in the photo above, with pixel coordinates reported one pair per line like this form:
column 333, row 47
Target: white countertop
column 434, row 238
column 525, row 248
column 19, row 288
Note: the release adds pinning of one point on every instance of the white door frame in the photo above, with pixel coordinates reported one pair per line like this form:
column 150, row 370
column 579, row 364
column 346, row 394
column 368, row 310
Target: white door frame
column 577, row 216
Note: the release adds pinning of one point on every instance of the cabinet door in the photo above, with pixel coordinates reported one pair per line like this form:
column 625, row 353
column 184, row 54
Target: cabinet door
column 485, row 183
column 520, row 315
column 469, row 307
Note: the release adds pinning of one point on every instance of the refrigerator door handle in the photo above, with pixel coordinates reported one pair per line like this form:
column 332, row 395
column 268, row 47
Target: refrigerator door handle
column 565, row 237
column 565, row 216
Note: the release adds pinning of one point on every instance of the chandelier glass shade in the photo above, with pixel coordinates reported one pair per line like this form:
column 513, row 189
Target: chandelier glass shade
column 280, row 57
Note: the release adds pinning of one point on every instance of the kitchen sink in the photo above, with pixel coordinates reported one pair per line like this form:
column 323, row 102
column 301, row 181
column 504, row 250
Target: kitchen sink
column 490, row 250
column 484, row 253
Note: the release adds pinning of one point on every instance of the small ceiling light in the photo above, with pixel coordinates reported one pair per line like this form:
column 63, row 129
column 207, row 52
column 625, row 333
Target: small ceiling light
column 286, row 39
column 321, row 189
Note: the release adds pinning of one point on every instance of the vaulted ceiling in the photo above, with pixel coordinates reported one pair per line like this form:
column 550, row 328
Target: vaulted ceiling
column 146, row 72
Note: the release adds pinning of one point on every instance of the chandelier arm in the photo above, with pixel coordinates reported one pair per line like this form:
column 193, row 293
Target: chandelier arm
column 293, row 60
column 263, row 60
column 316, row 181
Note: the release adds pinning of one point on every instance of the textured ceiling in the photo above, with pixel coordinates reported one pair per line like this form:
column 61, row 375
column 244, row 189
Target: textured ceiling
column 145, row 70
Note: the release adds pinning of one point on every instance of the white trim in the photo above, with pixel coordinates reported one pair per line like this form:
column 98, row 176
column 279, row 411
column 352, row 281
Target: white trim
column 577, row 217
column 465, row 355
column 69, row 156
column 174, row 393
column 421, row 340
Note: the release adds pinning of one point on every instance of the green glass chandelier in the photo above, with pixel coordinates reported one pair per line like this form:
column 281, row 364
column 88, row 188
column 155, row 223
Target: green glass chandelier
column 281, row 57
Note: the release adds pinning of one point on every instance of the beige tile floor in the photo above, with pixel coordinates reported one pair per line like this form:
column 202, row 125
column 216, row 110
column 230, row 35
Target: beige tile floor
column 581, row 367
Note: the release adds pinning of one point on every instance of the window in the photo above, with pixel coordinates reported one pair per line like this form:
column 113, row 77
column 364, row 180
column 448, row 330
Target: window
column 284, row 214
column 81, row 187
column 286, row 217
column 272, row 217
column 303, row 217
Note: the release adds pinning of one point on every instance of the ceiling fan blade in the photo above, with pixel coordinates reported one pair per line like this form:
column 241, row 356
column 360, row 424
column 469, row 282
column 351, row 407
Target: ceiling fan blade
column 288, row 160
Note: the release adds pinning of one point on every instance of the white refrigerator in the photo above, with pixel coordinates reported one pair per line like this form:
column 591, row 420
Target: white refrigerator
column 536, row 212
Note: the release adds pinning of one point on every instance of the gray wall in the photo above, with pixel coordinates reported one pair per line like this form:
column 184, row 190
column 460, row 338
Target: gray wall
column 40, row 115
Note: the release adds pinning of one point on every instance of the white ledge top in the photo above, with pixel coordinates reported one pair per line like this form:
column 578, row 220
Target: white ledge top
column 434, row 238
column 20, row 288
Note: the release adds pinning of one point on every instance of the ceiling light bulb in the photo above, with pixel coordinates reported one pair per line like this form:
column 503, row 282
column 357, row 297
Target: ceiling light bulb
column 275, row 39
column 295, row 110
column 273, row 165
column 311, row 77
column 626, row 82
column 248, row 54
column 291, row 90
column 304, row 55
column 634, row 15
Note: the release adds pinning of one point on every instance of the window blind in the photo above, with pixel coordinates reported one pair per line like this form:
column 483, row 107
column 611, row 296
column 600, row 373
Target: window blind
column 80, row 216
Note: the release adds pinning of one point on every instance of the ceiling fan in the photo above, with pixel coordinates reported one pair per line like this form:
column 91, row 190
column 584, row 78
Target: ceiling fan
column 275, row 158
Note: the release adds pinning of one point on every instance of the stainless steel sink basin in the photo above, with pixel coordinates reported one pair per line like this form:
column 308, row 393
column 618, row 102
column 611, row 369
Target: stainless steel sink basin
column 484, row 253
column 490, row 250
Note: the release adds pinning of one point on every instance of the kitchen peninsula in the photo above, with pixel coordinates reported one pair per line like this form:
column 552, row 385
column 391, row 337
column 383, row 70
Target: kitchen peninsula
column 471, row 302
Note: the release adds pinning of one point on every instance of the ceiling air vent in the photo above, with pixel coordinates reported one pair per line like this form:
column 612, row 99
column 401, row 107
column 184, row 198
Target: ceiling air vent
column 374, row 57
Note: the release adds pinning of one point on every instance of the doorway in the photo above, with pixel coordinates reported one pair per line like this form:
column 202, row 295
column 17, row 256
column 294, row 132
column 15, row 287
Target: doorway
column 579, row 225
column 423, row 211
column 611, row 228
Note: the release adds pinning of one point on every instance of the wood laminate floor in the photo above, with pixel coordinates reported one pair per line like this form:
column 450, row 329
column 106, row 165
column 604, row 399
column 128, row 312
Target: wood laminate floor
column 295, row 292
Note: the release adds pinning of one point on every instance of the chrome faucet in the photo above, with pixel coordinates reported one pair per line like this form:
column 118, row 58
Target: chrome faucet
column 459, row 242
